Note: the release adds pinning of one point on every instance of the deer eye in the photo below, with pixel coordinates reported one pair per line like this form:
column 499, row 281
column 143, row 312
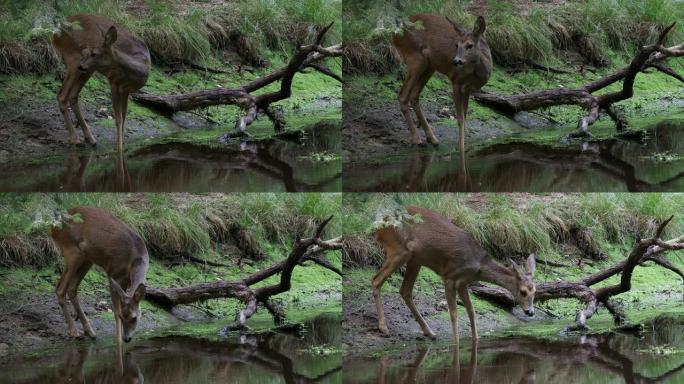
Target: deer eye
column 523, row 293
column 469, row 46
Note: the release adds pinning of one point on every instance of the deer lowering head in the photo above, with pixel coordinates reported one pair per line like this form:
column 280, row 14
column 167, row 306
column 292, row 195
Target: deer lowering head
column 99, row 55
column 128, row 307
column 524, row 288
column 456, row 257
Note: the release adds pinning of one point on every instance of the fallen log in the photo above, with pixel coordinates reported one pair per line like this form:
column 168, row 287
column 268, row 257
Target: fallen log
column 650, row 56
column 308, row 56
column 309, row 249
column 643, row 250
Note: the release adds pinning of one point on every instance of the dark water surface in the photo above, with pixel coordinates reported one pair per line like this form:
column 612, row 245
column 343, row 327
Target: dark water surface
column 594, row 166
column 282, row 164
column 265, row 358
column 654, row 356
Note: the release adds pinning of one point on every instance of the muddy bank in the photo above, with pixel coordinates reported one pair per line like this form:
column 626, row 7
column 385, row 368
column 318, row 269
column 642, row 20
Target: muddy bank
column 33, row 131
column 306, row 354
column 650, row 162
column 305, row 160
column 359, row 325
column 379, row 130
column 652, row 355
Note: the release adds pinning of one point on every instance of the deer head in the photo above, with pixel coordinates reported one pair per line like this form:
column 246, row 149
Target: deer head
column 467, row 47
column 99, row 55
column 524, row 285
column 129, row 310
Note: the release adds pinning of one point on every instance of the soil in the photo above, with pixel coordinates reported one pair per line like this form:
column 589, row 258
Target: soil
column 37, row 321
column 381, row 130
column 39, row 131
column 359, row 322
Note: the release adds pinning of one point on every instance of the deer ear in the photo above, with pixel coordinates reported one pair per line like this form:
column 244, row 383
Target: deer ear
column 117, row 290
column 456, row 27
column 515, row 267
column 479, row 28
column 531, row 264
column 139, row 293
column 110, row 36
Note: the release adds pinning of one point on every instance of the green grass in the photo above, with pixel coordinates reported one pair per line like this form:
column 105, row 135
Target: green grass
column 169, row 223
column 519, row 224
column 515, row 30
column 173, row 30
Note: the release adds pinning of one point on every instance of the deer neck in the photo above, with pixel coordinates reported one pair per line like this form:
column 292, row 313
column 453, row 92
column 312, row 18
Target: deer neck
column 495, row 273
column 129, row 67
column 138, row 270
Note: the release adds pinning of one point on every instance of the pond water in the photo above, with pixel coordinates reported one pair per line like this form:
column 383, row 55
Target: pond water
column 282, row 164
column 264, row 358
column 656, row 355
column 593, row 166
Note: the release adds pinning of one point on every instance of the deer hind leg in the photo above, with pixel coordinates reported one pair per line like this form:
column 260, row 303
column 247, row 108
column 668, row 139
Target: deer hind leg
column 72, row 291
column 410, row 276
column 415, row 102
column 450, row 290
column 415, row 65
column 71, row 255
column 73, row 101
column 392, row 263
column 63, row 99
column 465, row 298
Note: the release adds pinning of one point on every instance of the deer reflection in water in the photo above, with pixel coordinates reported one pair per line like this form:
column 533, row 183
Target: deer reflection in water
column 577, row 360
column 124, row 369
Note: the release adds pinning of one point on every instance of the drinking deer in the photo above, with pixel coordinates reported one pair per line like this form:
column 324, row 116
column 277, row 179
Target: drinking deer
column 441, row 45
column 97, row 44
column 97, row 237
column 456, row 257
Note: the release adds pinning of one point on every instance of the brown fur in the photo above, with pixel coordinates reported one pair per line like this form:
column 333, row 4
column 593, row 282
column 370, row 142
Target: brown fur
column 104, row 240
column 434, row 48
column 123, row 59
column 455, row 256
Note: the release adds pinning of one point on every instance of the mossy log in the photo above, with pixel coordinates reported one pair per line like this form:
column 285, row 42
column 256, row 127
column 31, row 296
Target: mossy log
column 643, row 250
column 308, row 249
column 650, row 56
column 308, row 56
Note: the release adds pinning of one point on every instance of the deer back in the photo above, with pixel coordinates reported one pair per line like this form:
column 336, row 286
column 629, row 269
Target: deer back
column 436, row 243
column 436, row 41
column 105, row 241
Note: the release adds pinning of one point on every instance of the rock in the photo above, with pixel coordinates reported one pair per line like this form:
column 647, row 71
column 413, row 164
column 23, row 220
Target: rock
column 102, row 112
column 4, row 349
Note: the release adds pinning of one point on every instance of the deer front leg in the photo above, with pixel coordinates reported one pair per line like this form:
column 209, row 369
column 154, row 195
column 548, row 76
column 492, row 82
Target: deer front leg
column 116, row 308
column 459, row 94
column 393, row 262
column 450, row 290
column 465, row 298
column 117, row 109
column 410, row 276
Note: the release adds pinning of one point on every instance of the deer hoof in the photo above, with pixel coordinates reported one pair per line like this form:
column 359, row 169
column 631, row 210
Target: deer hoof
column 433, row 141
column 416, row 141
column 73, row 333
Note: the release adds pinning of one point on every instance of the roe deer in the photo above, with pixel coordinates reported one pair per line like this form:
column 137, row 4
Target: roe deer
column 102, row 239
column 456, row 257
column 442, row 46
column 98, row 44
